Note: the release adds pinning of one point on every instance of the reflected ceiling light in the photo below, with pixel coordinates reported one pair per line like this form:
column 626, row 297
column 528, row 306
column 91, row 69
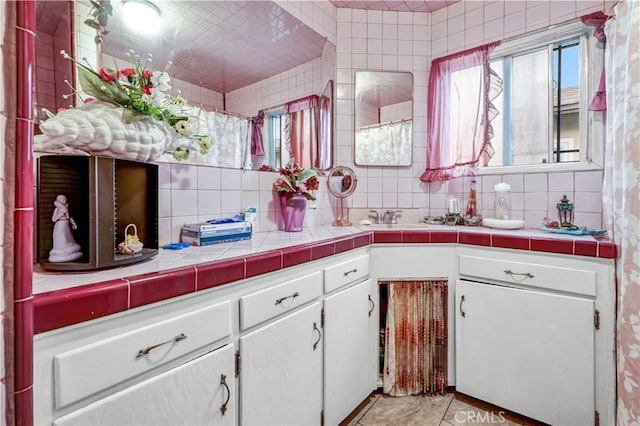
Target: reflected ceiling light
column 142, row 16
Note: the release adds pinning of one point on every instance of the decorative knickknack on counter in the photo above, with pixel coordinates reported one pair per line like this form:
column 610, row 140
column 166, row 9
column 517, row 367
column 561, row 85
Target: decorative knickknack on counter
column 293, row 207
column 294, row 186
column 109, row 197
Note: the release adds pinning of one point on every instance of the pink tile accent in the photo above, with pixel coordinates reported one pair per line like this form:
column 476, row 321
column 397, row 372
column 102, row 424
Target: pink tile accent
column 23, row 253
column 154, row 287
column 510, row 241
column 61, row 308
column 321, row 250
column 23, row 313
column 552, row 246
column 362, row 240
column 475, row 239
column 221, row 272
column 416, row 236
column 343, row 244
column 295, row 255
column 24, row 156
column 24, row 407
column 586, row 248
column 443, row 236
column 607, row 250
column 387, row 236
column 262, row 263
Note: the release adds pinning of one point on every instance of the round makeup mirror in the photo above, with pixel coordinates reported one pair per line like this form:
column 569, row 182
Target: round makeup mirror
column 342, row 183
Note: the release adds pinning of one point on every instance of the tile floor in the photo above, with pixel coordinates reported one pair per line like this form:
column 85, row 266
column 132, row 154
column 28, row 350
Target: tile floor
column 448, row 410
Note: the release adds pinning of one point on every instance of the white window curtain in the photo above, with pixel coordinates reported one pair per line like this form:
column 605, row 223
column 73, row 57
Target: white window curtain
column 384, row 144
column 621, row 197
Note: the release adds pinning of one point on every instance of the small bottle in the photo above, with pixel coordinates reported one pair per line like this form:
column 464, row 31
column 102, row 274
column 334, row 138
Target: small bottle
column 503, row 201
column 472, row 202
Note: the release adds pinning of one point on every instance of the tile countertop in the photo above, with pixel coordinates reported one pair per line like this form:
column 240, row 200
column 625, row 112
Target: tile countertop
column 65, row 298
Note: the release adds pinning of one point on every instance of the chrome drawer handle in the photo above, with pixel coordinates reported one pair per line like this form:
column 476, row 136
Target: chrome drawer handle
column 315, row 328
column 282, row 299
column 373, row 305
column 353, row 271
column 223, row 382
column 145, row 351
column 523, row 274
column 461, row 311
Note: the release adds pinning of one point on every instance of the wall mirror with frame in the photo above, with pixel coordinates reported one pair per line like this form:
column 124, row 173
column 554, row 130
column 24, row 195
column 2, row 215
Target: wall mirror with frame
column 230, row 57
column 383, row 118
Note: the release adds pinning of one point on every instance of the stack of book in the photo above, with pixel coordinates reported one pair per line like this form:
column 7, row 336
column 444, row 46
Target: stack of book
column 202, row 234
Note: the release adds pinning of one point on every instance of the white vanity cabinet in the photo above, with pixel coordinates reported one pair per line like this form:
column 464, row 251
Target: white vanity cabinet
column 199, row 392
column 529, row 334
column 281, row 370
column 349, row 338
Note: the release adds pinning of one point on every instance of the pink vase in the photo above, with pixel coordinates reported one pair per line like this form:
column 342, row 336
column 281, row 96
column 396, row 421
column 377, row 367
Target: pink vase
column 293, row 207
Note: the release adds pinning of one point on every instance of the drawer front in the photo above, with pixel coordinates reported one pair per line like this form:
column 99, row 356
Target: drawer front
column 269, row 303
column 84, row 371
column 531, row 274
column 341, row 274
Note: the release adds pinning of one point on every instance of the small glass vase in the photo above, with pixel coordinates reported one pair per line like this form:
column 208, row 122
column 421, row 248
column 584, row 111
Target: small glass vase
column 293, row 207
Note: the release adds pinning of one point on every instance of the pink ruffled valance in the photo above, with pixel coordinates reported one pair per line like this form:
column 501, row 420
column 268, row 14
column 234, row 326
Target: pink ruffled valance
column 307, row 102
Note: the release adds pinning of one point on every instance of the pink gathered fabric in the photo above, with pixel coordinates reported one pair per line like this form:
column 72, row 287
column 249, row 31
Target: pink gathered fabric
column 598, row 19
column 459, row 136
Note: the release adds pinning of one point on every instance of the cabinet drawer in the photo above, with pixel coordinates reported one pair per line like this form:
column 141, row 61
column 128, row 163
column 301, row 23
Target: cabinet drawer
column 571, row 280
column 344, row 273
column 89, row 369
column 262, row 305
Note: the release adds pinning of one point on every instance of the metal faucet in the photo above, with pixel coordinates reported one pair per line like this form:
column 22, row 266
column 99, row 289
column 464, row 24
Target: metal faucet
column 375, row 216
column 391, row 214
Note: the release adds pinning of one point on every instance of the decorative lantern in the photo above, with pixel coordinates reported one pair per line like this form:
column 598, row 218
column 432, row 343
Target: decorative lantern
column 565, row 212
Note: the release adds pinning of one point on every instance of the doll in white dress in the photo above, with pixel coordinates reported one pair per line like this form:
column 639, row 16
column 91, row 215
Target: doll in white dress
column 65, row 248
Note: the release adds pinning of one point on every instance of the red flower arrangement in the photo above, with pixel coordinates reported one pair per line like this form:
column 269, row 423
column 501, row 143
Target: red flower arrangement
column 294, row 178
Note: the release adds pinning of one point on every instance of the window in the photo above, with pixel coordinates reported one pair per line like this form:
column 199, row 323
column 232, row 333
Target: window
column 543, row 122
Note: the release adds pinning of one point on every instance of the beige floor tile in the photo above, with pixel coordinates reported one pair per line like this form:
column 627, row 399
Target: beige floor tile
column 372, row 400
column 461, row 413
column 409, row 411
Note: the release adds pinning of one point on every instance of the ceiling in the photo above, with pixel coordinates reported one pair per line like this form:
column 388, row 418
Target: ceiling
column 223, row 45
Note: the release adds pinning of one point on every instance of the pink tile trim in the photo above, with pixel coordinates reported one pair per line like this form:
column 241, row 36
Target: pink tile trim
column 221, row 272
column 295, row 255
column 23, row 253
column 150, row 288
column 154, row 287
column 475, row 239
column 24, row 407
column 60, row 308
column 552, row 246
column 23, row 311
column 262, row 263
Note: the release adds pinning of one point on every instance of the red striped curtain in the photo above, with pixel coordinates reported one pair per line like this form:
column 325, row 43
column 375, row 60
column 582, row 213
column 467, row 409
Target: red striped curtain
column 416, row 338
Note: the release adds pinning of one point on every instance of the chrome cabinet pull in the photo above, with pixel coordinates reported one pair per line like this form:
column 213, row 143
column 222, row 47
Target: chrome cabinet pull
column 315, row 328
column 353, row 271
column 223, row 382
column 282, row 299
column 522, row 274
column 145, row 351
column 373, row 305
column 461, row 311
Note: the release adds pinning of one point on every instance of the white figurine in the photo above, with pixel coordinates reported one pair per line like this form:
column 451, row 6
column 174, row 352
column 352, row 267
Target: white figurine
column 65, row 248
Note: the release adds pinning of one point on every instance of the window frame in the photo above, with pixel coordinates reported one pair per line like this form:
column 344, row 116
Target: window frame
column 592, row 130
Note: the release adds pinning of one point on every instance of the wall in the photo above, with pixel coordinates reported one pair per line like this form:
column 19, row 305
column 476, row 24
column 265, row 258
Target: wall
column 404, row 41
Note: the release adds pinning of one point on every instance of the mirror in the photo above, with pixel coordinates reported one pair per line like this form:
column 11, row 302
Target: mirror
column 341, row 182
column 383, row 118
column 229, row 57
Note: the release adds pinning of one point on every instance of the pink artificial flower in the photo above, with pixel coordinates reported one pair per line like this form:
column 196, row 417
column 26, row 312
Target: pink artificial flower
column 126, row 72
column 107, row 74
column 146, row 90
column 89, row 99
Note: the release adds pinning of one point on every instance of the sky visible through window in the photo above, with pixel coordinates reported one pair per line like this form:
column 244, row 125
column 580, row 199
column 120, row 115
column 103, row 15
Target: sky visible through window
column 570, row 61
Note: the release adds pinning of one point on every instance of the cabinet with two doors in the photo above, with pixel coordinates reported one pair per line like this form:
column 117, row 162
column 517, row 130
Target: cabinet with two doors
column 289, row 347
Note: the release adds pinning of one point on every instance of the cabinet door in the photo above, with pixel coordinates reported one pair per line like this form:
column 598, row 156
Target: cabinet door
column 281, row 371
column 526, row 351
column 349, row 353
column 192, row 393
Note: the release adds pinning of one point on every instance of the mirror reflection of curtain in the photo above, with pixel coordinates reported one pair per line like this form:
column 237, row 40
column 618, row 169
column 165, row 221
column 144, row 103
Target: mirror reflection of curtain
column 384, row 144
column 305, row 123
column 230, row 136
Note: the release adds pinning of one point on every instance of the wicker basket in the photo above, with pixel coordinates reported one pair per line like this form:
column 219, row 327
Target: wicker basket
column 130, row 248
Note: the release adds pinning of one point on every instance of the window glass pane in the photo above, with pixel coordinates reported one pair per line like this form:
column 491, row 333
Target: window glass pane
column 530, row 108
column 566, row 93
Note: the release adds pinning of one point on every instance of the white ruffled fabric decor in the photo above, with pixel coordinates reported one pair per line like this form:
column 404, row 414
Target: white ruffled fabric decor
column 98, row 128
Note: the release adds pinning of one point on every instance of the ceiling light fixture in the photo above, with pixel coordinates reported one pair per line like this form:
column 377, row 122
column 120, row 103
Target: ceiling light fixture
column 142, row 16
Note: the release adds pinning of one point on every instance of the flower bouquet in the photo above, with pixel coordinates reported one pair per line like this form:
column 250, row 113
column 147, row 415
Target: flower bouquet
column 294, row 186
